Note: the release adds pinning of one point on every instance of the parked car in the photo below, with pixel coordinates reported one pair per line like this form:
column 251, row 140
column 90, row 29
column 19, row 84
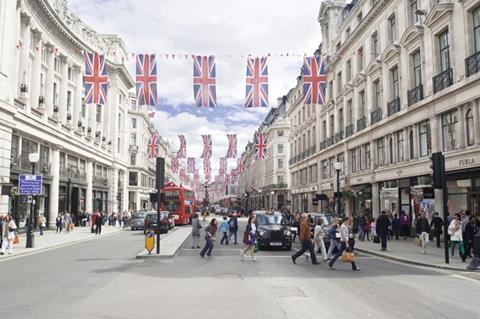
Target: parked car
column 138, row 220
column 327, row 223
column 272, row 231
column 151, row 222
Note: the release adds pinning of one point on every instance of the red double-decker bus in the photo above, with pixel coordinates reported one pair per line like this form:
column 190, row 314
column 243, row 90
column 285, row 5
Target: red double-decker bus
column 180, row 202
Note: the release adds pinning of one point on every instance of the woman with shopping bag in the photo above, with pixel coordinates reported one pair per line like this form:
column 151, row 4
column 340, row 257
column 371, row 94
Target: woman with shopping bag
column 9, row 235
column 250, row 237
column 346, row 245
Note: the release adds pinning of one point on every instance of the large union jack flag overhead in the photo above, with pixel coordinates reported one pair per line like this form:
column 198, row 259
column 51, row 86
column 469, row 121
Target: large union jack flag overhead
column 204, row 82
column 182, row 150
column 223, row 166
column 153, row 143
column 232, row 146
column 257, row 83
column 191, row 165
column 240, row 165
column 174, row 164
column 314, row 80
column 95, row 79
column 207, row 146
column 146, row 79
column 260, row 145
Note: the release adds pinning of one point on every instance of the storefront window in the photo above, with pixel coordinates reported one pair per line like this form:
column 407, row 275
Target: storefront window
column 449, row 130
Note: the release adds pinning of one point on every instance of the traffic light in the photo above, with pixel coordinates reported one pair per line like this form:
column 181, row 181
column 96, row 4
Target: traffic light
column 438, row 169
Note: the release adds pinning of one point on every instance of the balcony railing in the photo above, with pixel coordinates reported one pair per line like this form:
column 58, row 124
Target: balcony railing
column 313, row 149
column 415, row 95
column 393, row 106
column 72, row 173
column 472, row 64
column 281, row 185
column 376, row 116
column 133, row 148
column 330, row 140
column 323, row 145
column 339, row 136
column 99, row 180
column 361, row 123
column 442, row 80
column 349, row 130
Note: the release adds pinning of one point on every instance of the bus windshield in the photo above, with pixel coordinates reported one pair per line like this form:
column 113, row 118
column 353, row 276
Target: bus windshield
column 172, row 205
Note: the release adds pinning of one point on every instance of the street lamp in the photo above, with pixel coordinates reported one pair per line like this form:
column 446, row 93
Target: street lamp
column 273, row 198
column 33, row 158
column 338, row 167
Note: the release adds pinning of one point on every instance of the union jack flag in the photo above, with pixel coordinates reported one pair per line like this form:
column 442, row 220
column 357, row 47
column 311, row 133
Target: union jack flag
column 196, row 176
column 191, row 165
column 232, row 146
column 314, row 80
column 153, row 142
column 182, row 151
column 260, row 145
column 240, row 165
column 223, row 166
column 146, row 79
column 204, row 82
column 207, row 146
column 182, row 175
column 206, row 166
column 174, row 164
column 95, row 79
column 257, row 83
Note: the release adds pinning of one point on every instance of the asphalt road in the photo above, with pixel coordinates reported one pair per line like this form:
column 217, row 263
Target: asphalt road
column 101, row 279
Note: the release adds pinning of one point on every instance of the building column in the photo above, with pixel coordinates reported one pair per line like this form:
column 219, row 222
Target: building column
column 375, row 200
column 435, row 134
column 89, row 195
column 406, row 144
column 24, row 55
column 37, row 64
column 125, row 190
column 476, row 120
column 416, row 147
column 49, row 80
column 461, row 134
column 114, row 190
column 62, row 102
column 54, row 186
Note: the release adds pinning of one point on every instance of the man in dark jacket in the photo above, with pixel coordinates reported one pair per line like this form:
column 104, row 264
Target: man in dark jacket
column 422, row 231
column 470, row 231
column 383, row 223
column 437, row 224
column 361, row 221
column 306, row 239
column 396, row 226
column 233, row 228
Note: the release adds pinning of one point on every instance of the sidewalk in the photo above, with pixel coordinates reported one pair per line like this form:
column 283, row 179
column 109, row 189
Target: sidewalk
column 405, row 250
column 51, row 240
column 170, row 243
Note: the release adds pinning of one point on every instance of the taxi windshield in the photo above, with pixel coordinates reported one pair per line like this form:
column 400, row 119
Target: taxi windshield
column 269, row 219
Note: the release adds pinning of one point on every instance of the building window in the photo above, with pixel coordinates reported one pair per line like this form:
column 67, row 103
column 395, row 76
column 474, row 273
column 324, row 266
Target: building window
column 132, row 178
column 280, row 163
column 133, row 139
column 84, row 108
column 118, row 145
column 400, row 147
column 449, row 130
column 412, row 146
column 324, row 169
column 280, row 133
column 69, row 101
column 361, row 58
column 56, row 65
column 476, row 28
column 280, row 148
column 375, row 48
column 470, row 128
column 280, row 179
column 392, row 28
column 377, row 93
column 44, row 53
column 55, row 93
column 413, row 11
column 367, row 156
column 99, row 113
column 349, row 112
column 14, row 150
column 133, row 159
column 314, row 173
column 331, row 169
column 395, row 83
column 359, row 17
column 340, row 119
column 417, row 69
column 424, row 138
column 330, row 90
column 381, row 152
column 134, row 122
column 353, row 160
column 133, row 104
column 363, row 110
column 444, row 51
column 349, row 70
column 70, row 73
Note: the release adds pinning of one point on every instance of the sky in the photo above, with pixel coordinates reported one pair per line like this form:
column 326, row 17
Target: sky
column 229, row 30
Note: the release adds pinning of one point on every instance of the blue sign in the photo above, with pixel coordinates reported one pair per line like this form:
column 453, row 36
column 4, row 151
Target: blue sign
column 30, row 184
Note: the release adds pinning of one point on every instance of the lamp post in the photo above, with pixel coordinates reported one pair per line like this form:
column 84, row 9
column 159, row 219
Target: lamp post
column 338, row 167
column 33, row 158
column 272, row 193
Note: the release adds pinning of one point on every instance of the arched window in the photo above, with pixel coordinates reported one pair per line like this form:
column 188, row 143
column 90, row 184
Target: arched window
column 470, row 128
column 412, row 150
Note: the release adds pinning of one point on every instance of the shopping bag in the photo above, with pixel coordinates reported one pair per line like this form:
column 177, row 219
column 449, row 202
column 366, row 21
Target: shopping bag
column 16, row 240
column 418, row 242
column 246, row 238
column 347, row 257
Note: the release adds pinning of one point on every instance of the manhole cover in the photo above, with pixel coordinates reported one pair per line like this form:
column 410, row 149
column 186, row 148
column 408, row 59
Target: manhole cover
column 287, row 292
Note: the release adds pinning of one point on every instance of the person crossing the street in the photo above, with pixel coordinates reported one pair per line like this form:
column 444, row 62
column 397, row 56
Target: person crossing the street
column 210, row 232
column 196, row 231
column 422, row 231
column 306, row 240
column 250, row 237
column 346, row 243
column 233, row 228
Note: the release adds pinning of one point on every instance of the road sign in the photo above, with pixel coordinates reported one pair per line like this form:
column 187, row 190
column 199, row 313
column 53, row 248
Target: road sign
column 149, row 240
column 30, row 184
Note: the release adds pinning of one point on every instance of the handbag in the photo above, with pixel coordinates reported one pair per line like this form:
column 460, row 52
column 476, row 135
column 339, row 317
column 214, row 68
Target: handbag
column 376, row 239
column 16, row 240
column 417, row 241
column 347, row 257
column 246, row 238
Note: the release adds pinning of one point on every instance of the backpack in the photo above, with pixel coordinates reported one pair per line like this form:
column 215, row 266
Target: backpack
column 332, row 233
column 231, row 223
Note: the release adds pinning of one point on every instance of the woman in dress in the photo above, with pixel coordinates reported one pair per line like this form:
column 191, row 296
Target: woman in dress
column 250, row 237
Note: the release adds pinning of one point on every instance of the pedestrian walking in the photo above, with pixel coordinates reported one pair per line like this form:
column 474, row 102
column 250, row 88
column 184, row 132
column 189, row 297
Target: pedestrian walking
column 59, row 224
column 9, row 229
column 470, row 231
column 456, row 236
column 233, row 228
column 250, row 237
column 404, row 225
column 224, row 230
column 1, row 230
column 382, row 227
column 306, row 240
column 423, row 230
column 196, row 231
column 437, row 224
column 295, row 225
column 210, row 232
column 368, row 227
column 334, row 237
column 67, row 220
column 318, row 238
column 361, row 221
column 373, row 231
column 396, row 226
column 98, row 224
column 346, row 243
column 42, row 223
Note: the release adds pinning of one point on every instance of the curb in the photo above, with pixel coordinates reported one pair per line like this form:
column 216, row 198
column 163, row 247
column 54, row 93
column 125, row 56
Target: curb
column 144, row 254
column 40, row 250
column 411, row 261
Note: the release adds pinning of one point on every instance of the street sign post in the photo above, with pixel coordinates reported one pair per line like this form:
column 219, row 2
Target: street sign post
column 149, row 241
column 30, row 184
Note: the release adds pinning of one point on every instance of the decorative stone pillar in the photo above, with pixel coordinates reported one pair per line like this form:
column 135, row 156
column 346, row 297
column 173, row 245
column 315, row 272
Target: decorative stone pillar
column 375, row 200
column 89, row 195
column 461, row 132
column 54, row 186
column 63, row 89
column 49, row 80
column 114, row 190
